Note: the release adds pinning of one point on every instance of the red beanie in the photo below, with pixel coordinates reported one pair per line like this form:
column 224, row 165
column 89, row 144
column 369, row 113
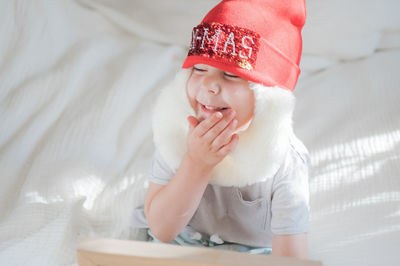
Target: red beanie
column 258, row 40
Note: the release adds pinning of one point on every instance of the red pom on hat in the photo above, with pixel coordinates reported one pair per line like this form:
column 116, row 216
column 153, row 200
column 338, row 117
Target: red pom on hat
column 258, row 40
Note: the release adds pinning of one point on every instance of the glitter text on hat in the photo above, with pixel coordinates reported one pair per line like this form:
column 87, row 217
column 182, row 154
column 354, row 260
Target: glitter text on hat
column 229, row 43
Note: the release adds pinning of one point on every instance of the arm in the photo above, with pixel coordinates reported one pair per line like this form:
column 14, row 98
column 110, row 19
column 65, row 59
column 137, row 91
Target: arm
column 290, row 209
column 169, row 208
column 290, row 245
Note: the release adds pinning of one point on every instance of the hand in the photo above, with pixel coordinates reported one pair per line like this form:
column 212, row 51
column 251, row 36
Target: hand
column 210, row 140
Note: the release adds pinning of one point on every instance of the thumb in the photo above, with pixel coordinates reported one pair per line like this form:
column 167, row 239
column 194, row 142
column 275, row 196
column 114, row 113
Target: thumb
column 193, row 122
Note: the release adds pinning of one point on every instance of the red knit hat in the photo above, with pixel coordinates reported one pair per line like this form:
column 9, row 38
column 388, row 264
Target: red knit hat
column 258, row 40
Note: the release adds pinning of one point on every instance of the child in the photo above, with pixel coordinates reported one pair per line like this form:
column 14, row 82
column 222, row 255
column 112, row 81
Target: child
column 228, row 171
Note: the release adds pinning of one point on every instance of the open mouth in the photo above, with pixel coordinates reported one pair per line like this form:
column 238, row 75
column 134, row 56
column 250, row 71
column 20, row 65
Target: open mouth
column 212, row 109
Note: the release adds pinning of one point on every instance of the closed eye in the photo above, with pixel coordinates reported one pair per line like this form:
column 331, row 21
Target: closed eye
column 199, row 69
column 230, row 75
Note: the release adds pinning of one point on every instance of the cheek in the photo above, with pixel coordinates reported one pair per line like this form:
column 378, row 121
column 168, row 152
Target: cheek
column 191, row 93
column 251, row 103
column 191, row 87
column 243, row 103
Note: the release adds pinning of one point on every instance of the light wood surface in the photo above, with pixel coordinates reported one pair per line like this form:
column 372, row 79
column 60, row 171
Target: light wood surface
column 113, row 252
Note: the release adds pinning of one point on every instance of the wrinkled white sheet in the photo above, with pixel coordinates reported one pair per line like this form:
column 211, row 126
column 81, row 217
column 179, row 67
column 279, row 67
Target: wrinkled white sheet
column 77, row 84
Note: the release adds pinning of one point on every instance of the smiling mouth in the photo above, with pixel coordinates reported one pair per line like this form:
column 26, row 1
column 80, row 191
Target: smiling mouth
column 212, row 109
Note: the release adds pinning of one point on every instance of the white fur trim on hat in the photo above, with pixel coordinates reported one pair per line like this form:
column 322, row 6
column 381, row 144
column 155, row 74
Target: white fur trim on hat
column 261, row 148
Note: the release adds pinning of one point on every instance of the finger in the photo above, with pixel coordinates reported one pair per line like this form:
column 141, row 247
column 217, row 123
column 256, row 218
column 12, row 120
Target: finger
column 190, row 125
column 193, row 122
column 219, row 127
column 225, row 136
column 208, row 123
column 230, row 147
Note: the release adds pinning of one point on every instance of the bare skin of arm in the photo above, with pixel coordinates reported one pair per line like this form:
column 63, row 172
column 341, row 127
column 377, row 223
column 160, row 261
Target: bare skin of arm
column 290, row 246
column 169, row 208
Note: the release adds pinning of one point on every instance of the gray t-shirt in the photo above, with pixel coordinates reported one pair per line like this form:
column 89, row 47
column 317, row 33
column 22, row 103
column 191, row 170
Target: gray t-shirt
column 250, row 215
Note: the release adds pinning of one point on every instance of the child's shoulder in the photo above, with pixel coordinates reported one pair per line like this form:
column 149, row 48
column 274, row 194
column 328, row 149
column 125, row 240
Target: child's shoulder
column 298, row 150
column 296, row 163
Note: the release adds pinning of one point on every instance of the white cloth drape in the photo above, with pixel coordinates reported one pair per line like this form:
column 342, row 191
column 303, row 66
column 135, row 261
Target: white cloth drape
column 78, row 81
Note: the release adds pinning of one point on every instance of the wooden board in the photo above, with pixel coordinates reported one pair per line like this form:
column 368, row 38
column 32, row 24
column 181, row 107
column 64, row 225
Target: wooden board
column 112, row 252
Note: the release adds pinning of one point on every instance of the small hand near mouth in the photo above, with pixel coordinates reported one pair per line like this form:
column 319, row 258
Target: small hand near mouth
column 210, row 140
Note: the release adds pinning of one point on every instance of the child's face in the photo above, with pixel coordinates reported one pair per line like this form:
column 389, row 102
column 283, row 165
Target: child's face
column 210, row 89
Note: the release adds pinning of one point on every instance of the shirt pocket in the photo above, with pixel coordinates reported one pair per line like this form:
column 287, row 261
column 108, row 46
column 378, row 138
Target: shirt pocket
column 249, row 210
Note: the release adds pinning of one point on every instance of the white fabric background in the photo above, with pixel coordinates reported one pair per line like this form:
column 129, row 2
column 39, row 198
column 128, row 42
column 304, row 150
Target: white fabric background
column 77, row 83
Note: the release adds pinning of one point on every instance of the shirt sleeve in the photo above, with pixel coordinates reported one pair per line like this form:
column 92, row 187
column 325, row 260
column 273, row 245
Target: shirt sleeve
column 290, row 196
column 161, row 173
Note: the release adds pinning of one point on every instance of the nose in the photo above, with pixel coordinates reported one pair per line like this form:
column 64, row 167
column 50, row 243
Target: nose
column 212, row 84
column 214, row 89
